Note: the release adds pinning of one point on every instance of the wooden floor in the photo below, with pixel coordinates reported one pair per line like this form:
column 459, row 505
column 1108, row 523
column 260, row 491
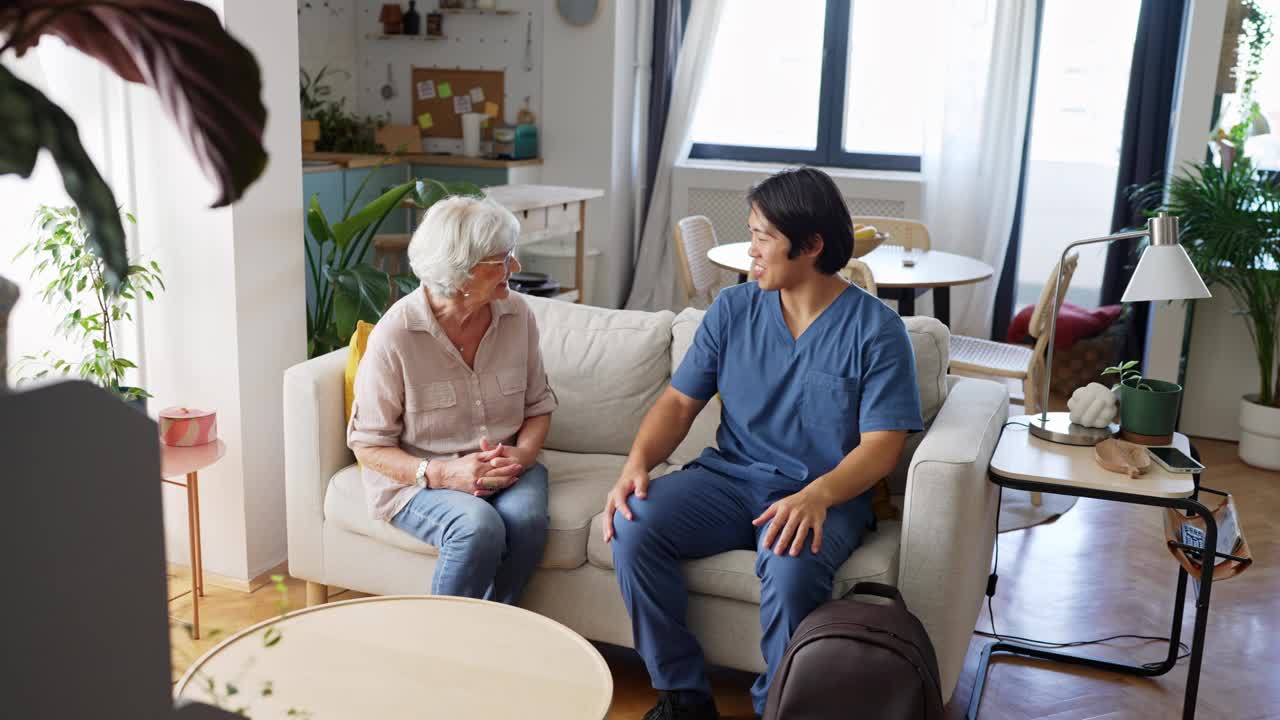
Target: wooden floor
column 1101, row 569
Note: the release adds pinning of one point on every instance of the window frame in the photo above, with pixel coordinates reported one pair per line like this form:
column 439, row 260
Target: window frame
column 831, row 106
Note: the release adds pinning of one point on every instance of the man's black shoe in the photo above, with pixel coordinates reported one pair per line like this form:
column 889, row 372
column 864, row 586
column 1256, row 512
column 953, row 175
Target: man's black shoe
column 672, row 707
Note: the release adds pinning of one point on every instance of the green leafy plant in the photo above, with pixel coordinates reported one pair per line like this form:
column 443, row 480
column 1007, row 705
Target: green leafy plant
column 1126, row 375
column 1255, row 37
column 208, row 83
column 340, row 130
column 76, row 284
column 1229, row 224
column 347, row 288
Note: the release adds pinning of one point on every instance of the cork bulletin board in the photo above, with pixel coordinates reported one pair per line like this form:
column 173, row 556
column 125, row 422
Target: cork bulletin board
column 437, row 94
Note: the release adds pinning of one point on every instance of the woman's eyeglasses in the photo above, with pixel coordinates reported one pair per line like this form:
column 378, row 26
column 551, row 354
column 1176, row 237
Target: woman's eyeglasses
column 507, row 261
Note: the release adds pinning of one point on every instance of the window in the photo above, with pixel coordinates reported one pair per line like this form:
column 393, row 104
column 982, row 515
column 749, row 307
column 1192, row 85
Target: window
column 824, row 83
column 1077, row 125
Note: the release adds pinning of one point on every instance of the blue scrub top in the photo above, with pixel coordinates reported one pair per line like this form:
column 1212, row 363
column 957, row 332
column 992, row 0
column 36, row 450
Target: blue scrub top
column 796, row 407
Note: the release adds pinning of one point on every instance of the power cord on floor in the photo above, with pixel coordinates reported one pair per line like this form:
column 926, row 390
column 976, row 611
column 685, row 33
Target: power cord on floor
column 991, row 591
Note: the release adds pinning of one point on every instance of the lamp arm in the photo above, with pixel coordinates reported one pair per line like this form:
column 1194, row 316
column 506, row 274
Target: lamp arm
column 1053, row 315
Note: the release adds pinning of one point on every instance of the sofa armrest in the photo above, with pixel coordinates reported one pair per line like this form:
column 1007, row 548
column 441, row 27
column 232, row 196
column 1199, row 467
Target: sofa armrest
column 315, row 447
column 949, row 516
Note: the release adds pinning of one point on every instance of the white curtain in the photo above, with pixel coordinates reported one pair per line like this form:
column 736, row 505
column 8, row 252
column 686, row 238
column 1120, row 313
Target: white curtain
column 655, row 286
column 974, row 129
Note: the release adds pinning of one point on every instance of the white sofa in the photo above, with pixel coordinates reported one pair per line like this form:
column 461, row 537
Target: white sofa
column 608, row 367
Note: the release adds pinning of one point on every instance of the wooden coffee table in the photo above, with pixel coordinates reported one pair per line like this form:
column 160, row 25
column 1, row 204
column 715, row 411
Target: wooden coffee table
column 409, row 656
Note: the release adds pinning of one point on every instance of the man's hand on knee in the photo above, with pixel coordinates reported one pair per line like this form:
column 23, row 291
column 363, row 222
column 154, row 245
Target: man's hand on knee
column 793, row 517
column 633, row 480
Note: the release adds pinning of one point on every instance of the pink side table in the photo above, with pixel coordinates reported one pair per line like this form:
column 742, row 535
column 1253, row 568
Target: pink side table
column 188, row 462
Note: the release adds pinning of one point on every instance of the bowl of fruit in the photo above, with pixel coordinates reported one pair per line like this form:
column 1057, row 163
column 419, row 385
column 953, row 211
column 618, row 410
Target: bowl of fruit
column 866, row 238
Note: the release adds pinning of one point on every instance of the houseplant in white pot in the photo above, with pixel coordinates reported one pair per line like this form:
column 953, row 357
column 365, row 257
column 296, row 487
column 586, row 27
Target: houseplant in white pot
column 73, row 279
column 1230, row 227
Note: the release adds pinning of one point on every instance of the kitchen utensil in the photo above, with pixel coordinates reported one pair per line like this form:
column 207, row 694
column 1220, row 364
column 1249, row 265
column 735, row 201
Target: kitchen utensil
column 388, row 90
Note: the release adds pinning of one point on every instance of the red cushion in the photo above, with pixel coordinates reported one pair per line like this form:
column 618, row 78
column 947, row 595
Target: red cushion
column 1074, row 323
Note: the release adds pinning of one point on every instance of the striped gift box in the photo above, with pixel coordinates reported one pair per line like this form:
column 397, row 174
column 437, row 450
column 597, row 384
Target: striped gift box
column 184, row 427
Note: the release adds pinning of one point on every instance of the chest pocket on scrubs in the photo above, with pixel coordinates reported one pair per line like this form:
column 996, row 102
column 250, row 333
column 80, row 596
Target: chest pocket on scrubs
column 427, row 411
column 831, row 406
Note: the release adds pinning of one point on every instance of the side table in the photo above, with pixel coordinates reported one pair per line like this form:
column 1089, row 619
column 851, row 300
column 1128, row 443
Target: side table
column 188, row 462
column 1024, row 462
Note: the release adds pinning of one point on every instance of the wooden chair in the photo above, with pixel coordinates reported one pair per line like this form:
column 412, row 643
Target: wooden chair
column 694, row 236
column 986, row 357
column 859, row 273
column 388, row 254
column 903, row 232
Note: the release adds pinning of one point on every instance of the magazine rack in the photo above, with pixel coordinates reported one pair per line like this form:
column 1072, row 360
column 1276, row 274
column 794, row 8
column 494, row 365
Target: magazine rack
column 1189, row 556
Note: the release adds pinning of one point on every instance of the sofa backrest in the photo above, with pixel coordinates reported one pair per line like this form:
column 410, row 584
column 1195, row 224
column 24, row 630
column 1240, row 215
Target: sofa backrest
column 607, row 368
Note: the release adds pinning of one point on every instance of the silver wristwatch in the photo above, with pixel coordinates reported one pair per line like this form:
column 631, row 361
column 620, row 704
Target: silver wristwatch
column 420, row 477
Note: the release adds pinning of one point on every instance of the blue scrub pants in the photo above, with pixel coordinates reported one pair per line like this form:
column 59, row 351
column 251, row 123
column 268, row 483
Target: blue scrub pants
column 696, row 512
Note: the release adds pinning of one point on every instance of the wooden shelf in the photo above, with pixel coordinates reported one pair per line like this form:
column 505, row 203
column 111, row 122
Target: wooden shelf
column 478, row 11
column 410, row 38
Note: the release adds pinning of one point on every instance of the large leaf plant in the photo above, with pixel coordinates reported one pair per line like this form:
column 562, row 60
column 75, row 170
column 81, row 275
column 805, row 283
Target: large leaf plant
column 347, row 288
column 208, row 83
column 1230, row 227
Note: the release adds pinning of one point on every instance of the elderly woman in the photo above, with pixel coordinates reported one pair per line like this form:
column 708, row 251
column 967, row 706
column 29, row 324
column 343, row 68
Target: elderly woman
column 452, row 405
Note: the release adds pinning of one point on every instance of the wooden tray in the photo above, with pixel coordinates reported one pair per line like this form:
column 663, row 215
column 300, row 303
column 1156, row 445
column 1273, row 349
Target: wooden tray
column 1122, row 457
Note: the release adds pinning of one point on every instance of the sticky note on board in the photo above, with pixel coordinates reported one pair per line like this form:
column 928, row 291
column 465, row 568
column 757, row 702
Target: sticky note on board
column 491, row 109
column 445, row 90
column 426, row 89
column 425, row 122
column 477, row 95
column 461, row 104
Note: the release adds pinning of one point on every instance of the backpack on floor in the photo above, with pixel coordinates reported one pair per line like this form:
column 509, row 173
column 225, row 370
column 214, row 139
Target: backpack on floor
column 855, row 659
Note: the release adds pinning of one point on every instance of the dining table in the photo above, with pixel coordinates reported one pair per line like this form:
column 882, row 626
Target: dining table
column 900, row 273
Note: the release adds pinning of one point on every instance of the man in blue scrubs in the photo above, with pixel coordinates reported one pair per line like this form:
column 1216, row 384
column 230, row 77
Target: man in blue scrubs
column 817, row 380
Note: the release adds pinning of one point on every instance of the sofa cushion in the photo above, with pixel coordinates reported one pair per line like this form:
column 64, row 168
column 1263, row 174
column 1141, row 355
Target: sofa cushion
column 732, row 574
column 607, row 368
column 579, row 483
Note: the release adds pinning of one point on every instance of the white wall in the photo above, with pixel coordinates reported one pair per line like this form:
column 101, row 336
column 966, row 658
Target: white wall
column 329, row 27
column 587, row 78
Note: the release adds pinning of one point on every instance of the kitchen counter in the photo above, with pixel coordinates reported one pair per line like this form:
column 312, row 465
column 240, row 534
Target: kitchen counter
column 334, row 161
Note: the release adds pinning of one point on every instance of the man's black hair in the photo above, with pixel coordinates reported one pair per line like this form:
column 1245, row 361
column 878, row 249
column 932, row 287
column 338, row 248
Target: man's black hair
column 803, row 203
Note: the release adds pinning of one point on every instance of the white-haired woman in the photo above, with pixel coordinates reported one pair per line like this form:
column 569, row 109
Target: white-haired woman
column 452, row 405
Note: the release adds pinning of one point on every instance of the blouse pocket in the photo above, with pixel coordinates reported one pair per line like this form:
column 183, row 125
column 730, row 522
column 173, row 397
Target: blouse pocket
column 424, row 406
column 511, row 386
column 831, row 406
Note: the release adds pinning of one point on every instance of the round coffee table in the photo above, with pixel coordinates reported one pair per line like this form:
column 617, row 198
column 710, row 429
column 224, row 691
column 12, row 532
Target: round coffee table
column 408, row 656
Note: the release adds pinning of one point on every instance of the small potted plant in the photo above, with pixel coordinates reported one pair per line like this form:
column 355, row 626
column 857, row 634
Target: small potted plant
column 1148, row 408
column 75, row 282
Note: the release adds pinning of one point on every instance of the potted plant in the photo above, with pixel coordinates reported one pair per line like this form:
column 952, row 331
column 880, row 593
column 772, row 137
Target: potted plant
column 1148, row 408
column 1230, row 227
column 76, row 283
column 348, row 288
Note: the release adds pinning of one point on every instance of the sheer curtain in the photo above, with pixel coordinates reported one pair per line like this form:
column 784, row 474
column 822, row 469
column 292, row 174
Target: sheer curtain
column 655, row 286
column 974, row 130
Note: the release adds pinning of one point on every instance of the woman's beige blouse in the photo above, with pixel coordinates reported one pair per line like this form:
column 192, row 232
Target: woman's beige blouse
column 414, row 390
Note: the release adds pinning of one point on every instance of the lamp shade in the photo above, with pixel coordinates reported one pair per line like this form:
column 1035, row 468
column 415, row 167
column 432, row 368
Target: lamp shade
column 1165, row 272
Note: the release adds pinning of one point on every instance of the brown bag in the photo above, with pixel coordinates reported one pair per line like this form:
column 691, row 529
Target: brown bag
column 854, row 659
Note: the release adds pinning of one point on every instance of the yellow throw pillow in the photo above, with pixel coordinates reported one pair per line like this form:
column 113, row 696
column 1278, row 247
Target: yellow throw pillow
column 359, row 341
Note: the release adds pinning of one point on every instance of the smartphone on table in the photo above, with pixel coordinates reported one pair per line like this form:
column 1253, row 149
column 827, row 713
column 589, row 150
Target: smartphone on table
column 1174, row 460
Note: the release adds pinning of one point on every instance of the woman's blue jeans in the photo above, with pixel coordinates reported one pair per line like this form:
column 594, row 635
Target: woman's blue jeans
column 489, row 547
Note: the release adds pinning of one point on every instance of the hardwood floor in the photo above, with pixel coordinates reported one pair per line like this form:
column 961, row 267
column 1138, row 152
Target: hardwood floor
column 1099, row 570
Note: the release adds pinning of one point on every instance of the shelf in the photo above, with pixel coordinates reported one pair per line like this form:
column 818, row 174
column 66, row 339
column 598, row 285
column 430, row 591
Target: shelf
column 410, row 38
column 477, row 11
